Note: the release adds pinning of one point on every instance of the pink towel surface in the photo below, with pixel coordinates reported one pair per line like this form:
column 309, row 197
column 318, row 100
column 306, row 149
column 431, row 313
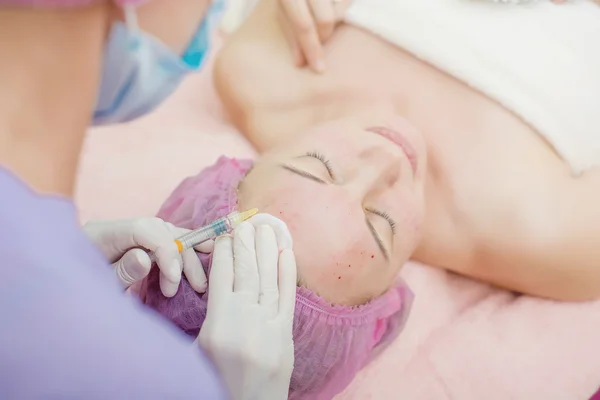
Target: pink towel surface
column 468, row 341
column 463, row 341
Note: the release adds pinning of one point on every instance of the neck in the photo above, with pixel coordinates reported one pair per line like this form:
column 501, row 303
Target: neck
column 48, row 81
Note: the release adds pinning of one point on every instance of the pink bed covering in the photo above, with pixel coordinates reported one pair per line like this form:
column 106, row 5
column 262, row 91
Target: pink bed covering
column 464, row 340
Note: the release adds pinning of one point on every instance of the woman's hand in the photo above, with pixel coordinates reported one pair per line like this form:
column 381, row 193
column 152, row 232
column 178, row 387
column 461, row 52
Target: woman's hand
column 122, row 243
column 250, row 315
column 309, row 24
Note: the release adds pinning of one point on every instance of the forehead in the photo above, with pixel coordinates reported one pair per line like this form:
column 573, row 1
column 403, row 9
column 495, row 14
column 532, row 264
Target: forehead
column 304, row 203
column 315, row 213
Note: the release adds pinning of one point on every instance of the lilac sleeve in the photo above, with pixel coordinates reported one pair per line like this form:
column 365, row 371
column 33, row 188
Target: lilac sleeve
column 67, row 329
column 64, row 337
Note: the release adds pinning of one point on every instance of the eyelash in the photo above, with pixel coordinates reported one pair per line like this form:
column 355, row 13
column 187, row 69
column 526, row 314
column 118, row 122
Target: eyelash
column 327, row 164
column 385, row 216
column 322, row 158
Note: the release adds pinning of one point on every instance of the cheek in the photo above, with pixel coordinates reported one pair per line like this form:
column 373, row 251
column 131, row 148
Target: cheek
column 288, row 209
column 409, row 227
column 308, row 212
column 327, row 250
column 341, row 274
column 333, row 251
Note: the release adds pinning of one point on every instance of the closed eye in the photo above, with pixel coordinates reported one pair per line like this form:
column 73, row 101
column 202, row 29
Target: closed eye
column 302, row 173
column 385, row 216
column 326, row 163
column 378, row 239
column 374, row 232
column 308, row 175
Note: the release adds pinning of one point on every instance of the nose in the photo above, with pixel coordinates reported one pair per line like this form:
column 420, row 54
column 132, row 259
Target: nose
column 376, row 171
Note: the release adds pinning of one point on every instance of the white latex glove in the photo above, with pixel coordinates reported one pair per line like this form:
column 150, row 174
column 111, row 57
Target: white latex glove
column 123, row 242
column 251, row 301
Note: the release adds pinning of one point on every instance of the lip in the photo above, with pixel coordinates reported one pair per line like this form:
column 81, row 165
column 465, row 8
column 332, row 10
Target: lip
column 399, row 140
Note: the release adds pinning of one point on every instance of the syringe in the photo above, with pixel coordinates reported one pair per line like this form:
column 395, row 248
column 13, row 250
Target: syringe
column 211, row 231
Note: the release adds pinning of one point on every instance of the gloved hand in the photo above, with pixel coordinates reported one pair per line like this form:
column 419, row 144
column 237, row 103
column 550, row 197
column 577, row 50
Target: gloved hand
column 122, row 242
column 251, row 301
column 308, row 25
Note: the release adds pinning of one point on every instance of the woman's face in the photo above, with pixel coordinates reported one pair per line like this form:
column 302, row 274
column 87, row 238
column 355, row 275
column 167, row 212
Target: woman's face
column 351, row 193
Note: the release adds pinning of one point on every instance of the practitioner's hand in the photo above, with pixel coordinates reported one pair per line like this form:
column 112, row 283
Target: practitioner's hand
column 309, row 24
column 248, row 326
column 122, row 242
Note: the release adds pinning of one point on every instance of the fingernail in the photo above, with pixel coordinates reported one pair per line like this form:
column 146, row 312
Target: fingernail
column 224, row 236
column 168, row 289
column 320, row 66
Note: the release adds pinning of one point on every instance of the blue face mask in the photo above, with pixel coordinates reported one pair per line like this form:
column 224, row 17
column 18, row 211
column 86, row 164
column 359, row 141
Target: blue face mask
column 139, row 71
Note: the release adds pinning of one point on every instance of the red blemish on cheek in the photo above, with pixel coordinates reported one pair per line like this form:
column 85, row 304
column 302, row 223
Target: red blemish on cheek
column 349, row 265
column 339, row 277
column 372, row 255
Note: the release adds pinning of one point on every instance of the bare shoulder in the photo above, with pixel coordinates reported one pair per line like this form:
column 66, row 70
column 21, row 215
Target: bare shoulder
column 539, row 235
column 257, row 82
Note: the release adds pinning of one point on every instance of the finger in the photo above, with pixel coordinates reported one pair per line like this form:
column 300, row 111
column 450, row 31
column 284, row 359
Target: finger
column 325, row 18
column 284, row 238
column 267, row 256
column 192, row 268
column 159, row 236
column 170, row 277
column 305, row 30
column 152, row 234
column 170, row 265
column 132, row 267
column 287, row 284
column 246, row 279
column 289, row 35
column 221, row 271
column 206, row 247
column 299, row 59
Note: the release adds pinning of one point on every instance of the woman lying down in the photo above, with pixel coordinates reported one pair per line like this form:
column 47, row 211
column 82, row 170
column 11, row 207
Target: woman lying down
column 485, row 186
column 506, row 98
column 355, row 218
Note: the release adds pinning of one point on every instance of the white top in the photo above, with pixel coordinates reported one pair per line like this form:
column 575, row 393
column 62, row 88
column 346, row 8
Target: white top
column 541, row 61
